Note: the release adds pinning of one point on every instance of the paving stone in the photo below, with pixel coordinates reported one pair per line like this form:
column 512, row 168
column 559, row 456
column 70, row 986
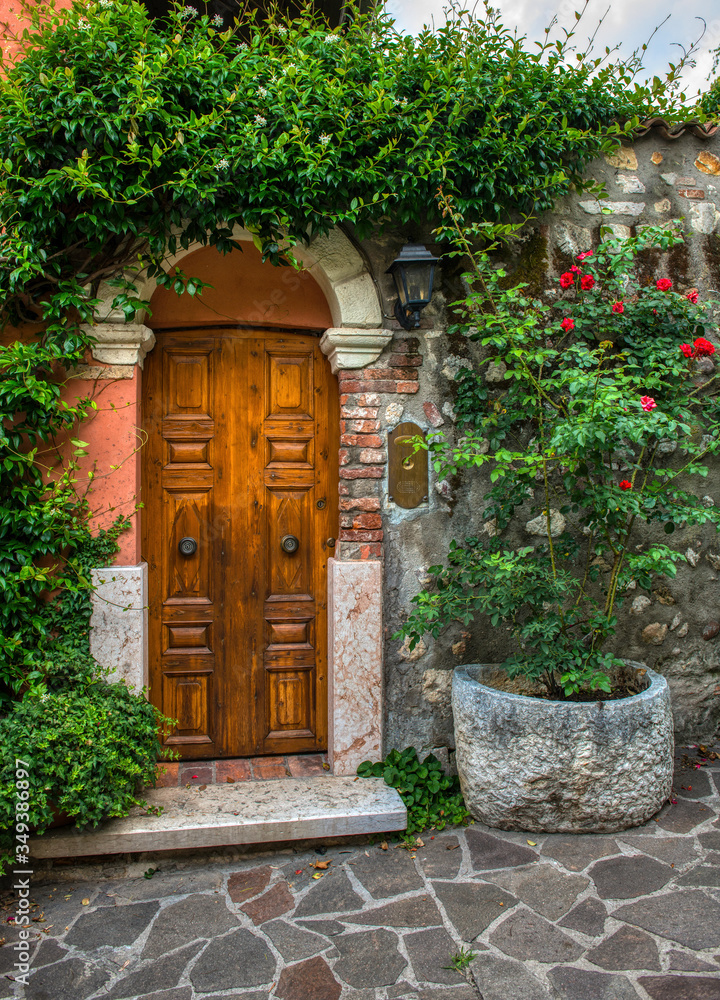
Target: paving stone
column 70, row 980
column 243, row 885
column 692, row 784
column 713, row 858
column 684, row 816
column 503, row 979
column 114, row 926
column 273, row 903
column 456, row 993
column 526, row 936
column 197, row 916
column 162, row 885
column 681, row 987
column 399, row 990
column 704, row 875
column 472, row 906
column 543, row 888
column 683, row 961
column 309, row 980
column 293, row 942
column 160, row 974
column 238, row 959
column 386, row 873
column 332, row 894
column 710, row 840
column 580, row 984
column 441, row 858
column 672, row 850
column 575, row 852
column 48, row 952
column 328, row 927
column 369, row 958
column 181, row 993
column 430, row 951
column 627, row 878
column 488, row 852
column 628, row 948
column 588, row 917
column 687, row 916
column 418, row 911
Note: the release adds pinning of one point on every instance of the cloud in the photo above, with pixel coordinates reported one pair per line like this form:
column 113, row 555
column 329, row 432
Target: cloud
column 628, row 24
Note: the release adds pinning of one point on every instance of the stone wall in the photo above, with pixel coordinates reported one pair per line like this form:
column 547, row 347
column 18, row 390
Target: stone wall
column 671, row 628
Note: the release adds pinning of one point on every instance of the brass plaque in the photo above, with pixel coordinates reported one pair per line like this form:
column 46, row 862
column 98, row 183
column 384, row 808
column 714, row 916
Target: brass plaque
column 408, row 470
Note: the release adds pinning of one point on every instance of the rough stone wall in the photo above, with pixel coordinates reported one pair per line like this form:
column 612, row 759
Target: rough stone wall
column 671, row 628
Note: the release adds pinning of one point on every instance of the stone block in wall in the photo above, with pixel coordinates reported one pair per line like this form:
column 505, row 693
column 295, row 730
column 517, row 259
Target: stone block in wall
column 118, row 626
column 694, row 679
column 355, row 710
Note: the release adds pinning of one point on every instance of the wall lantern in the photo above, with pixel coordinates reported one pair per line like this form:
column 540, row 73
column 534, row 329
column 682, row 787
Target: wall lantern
column 413, row 271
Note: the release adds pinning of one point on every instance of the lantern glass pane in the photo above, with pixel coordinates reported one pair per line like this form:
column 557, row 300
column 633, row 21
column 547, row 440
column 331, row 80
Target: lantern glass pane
column 418, row 279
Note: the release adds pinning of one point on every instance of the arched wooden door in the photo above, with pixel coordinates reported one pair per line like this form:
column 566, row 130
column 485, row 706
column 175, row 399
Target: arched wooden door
column 241, row 458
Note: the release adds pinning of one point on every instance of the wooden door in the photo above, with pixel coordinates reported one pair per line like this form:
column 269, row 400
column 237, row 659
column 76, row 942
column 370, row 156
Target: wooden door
column 241, row 454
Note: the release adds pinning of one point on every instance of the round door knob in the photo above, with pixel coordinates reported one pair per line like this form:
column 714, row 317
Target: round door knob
column 289, row 543
column 187, row 546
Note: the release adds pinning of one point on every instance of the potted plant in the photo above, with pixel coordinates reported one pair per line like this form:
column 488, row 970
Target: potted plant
column 608, row 411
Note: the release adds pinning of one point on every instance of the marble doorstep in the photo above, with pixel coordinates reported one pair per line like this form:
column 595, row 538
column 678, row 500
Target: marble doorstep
column 254, row 812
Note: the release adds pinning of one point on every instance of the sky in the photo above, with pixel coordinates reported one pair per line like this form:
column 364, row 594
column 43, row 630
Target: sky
column 628, row 21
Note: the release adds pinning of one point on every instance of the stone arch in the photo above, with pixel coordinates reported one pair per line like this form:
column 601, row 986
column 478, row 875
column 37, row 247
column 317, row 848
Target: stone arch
column 354, row 340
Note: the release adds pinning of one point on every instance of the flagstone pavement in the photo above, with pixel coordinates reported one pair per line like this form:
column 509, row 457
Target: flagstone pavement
column 553, row 917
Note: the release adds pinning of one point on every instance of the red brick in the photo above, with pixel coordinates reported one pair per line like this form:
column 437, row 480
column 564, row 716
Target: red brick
column 369, row 399
column 351, row 386
column 693, row 193
column 407, row 387
column 361, row 521
column 433, row 415
column 368, row 472
column 168, row 775
column 197, row 774
column 228, row 771
column 360, row 503
column 307, row 766
column 269, row 767
column 359, row 426
column 350, row 535
column 372, row 456
column 373, row 551
column 343, row 490
column 412, row 360
column 359, row 412
column 387, row 373
column 349, row 440
column 344, row 398
column 344, row 456
column 407, row 345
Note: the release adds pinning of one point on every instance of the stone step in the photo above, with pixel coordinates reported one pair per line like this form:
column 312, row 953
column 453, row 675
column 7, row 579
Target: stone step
column 248, row 812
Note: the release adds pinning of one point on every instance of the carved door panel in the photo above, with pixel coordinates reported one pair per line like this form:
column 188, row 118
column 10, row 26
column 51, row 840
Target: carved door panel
column 240, row 459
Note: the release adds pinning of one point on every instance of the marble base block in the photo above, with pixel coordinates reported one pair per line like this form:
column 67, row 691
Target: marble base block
column 118, row 627
column 355, row 709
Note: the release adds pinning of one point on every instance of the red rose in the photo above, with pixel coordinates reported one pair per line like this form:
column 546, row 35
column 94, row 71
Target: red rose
column 687, row 350
column 575, row 269
column 692, row 296
column 618, row 307
column 663, row 284
column 567, row 280
column 648, row 403
column 625, row 485
column 584, row 256
column 703, row 348
column 567, row 324
column 586, row 282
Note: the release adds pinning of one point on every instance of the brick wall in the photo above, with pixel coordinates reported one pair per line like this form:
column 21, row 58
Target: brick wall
column 363, row 448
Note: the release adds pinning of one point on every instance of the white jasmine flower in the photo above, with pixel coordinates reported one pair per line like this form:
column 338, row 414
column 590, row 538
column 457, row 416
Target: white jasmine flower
column 106, row 4
column 259, row 120
column 332, row 39
column 262, row 92
column 188, row 12
column 243, row 45
column 84, row 24
column 325, row 139
column 289, row 67
column 283, row 30
column 222, row 164
column 217, row 21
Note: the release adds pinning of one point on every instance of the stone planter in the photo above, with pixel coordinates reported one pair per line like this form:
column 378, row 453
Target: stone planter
column 568, row 767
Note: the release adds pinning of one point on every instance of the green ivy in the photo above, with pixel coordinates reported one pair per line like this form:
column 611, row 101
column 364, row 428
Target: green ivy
column 433, row 799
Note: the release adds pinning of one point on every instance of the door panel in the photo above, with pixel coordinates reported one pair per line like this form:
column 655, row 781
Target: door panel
column 241, row 425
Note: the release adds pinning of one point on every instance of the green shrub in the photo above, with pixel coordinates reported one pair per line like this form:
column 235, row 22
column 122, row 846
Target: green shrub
column 88, row 751
column 433, row 799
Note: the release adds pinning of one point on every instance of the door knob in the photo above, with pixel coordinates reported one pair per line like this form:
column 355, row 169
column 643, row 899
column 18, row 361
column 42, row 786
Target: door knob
column 289, row 543
column 187, row 546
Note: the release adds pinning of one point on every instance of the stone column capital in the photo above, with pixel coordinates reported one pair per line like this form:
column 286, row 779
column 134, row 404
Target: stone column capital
column 349, row 347
column 121, row 343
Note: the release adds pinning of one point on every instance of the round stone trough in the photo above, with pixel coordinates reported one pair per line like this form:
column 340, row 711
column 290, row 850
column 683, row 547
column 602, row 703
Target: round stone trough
column 562, row 767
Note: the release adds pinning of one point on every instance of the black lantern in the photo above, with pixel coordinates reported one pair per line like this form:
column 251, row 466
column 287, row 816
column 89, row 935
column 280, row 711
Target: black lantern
column 414, row 272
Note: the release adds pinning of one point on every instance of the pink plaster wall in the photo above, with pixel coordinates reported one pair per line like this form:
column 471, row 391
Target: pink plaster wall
column 12, row 24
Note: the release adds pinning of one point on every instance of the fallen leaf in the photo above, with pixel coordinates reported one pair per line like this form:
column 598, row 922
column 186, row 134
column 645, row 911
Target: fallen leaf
column 419, row 842
column 451, row 847
column 367, row 854
column 317, row 876
column 533, row 843
column 299, row 871
column 230, row 781
column 322, row 864
column 384, row 846
column 203, row 787
column 326, row 767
